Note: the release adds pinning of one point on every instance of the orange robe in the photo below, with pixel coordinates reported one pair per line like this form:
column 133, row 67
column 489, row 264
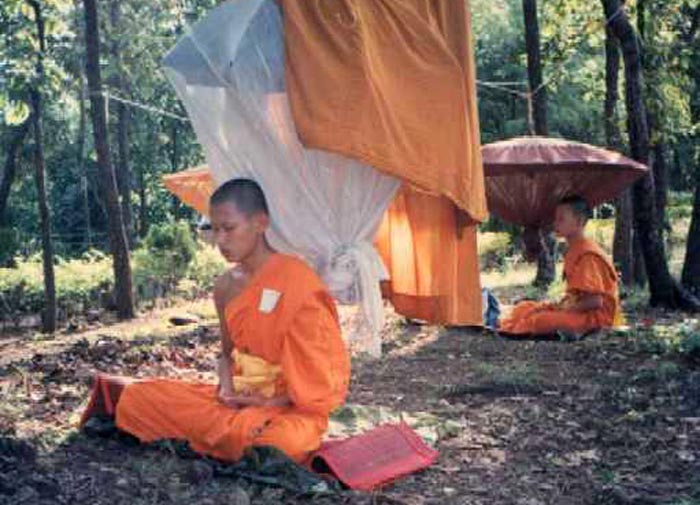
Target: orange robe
column 300, row 335
column 432, row 260
column 587, row 270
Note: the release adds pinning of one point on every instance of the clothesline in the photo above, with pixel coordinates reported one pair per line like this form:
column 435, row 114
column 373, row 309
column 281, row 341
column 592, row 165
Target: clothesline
column 504, row 86
column 109, row 95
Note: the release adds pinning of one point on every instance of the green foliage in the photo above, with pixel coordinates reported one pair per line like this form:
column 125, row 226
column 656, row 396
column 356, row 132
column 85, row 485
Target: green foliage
column 85, row 283
column 494, row 248
column 202, row 271
column 81, row 284
column 8, row 245
column 163, row 259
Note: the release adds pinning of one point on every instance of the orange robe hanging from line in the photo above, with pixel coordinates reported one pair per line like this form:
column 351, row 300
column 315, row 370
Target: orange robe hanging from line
column 431, row 259
column 587, row 270
column 300, row 335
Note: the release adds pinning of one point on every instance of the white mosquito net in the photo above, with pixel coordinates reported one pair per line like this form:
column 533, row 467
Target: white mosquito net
column 229, row 72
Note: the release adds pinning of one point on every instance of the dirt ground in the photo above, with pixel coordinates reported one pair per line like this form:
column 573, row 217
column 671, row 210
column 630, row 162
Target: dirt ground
column 613, row 419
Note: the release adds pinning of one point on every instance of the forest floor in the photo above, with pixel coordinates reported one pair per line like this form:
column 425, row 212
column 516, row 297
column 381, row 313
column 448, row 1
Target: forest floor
column 612, row 419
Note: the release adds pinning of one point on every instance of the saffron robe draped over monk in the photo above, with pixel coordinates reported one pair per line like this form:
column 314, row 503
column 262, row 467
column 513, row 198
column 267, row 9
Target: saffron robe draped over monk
column 299, row 336
column 587, row 271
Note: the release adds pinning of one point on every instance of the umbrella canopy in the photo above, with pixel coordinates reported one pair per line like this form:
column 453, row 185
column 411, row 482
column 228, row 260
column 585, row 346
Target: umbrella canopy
column 527, row 176
column 193, row 187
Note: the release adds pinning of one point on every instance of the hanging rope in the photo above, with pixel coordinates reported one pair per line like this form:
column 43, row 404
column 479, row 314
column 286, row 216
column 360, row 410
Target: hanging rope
column 505, row 86
column 110, row 96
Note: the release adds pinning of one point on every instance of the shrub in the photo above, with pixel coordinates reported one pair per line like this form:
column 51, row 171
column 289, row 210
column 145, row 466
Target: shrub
column 163, row 259
column 170, row 261
column 206, row 266
column 80, row 284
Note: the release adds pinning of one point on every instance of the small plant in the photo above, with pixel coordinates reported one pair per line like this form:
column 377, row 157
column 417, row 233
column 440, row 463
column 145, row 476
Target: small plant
column 163, row 259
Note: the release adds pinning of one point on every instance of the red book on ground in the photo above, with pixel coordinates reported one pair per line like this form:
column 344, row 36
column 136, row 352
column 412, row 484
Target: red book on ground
column 377, row 457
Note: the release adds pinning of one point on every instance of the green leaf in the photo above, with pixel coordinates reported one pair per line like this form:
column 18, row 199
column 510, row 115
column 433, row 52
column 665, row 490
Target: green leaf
column 16, row 113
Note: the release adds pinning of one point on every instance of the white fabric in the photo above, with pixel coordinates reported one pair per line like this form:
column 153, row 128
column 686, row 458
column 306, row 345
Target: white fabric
column 229, row 72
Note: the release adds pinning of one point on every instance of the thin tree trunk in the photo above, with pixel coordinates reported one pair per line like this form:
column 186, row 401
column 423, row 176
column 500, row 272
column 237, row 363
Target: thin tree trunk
column 534, row 68
column 82, row 130
column 82, row 172
column 537, row 125
column 124, row 179
column 546, row 271
column 117, row 235
column 664, row 290
column 123, row 168
column 49, row 315
column 174, row 154
column 17, row 136
column 691, row 265
column 143, row 204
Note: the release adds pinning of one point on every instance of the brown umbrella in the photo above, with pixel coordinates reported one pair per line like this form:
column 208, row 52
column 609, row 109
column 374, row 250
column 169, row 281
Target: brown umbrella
column 527, row 176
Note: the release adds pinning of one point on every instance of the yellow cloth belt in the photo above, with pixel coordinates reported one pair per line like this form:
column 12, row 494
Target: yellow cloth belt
column 254, row 375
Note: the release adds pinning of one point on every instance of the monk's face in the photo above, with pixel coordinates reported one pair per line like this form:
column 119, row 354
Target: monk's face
column 567, row 223
column 236, row 233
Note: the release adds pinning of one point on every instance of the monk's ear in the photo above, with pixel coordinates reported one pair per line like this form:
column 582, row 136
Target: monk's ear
column 261, row 221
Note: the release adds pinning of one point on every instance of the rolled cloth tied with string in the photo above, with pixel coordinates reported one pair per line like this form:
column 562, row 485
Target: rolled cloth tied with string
column 353, row 276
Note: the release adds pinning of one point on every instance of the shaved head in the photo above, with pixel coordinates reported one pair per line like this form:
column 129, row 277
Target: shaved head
column 245, row 194
column 578, row 205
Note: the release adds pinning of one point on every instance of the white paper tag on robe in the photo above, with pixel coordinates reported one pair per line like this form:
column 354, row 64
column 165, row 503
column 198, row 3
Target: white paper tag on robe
column 268, row 300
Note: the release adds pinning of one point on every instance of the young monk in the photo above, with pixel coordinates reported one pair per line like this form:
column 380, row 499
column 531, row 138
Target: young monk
column 591, row 301
column 284, row 366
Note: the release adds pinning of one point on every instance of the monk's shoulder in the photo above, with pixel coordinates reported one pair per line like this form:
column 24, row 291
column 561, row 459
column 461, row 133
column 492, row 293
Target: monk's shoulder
column 228, row 286
column 299, row 274
column 584, row 248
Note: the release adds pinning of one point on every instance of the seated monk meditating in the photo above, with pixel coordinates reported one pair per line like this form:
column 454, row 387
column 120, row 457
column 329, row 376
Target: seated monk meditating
column 591, row 301
column 284, row 366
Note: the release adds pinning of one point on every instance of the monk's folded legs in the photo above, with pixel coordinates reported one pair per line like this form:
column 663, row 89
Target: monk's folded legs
column 168, row 409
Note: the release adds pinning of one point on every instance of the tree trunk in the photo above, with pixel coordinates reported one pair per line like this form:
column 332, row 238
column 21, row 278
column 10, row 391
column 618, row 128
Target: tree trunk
column 534, row 68
column 546, row 271
column 143, row 204
column 82, row 172
column 14, row 146
column 49, row 315
column 664, row 290
column 124, row 179
column 174, row 165
column 691, row 265
column 537, row 125
column 654, row 110
column 123, row 168
column 623, row 239
column 660, row 169
column 117, row 235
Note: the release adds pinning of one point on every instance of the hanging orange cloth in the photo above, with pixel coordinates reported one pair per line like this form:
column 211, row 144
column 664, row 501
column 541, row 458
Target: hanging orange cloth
column 431, row 259
column 391, row 83
column 587, row 270
column 295, row 347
